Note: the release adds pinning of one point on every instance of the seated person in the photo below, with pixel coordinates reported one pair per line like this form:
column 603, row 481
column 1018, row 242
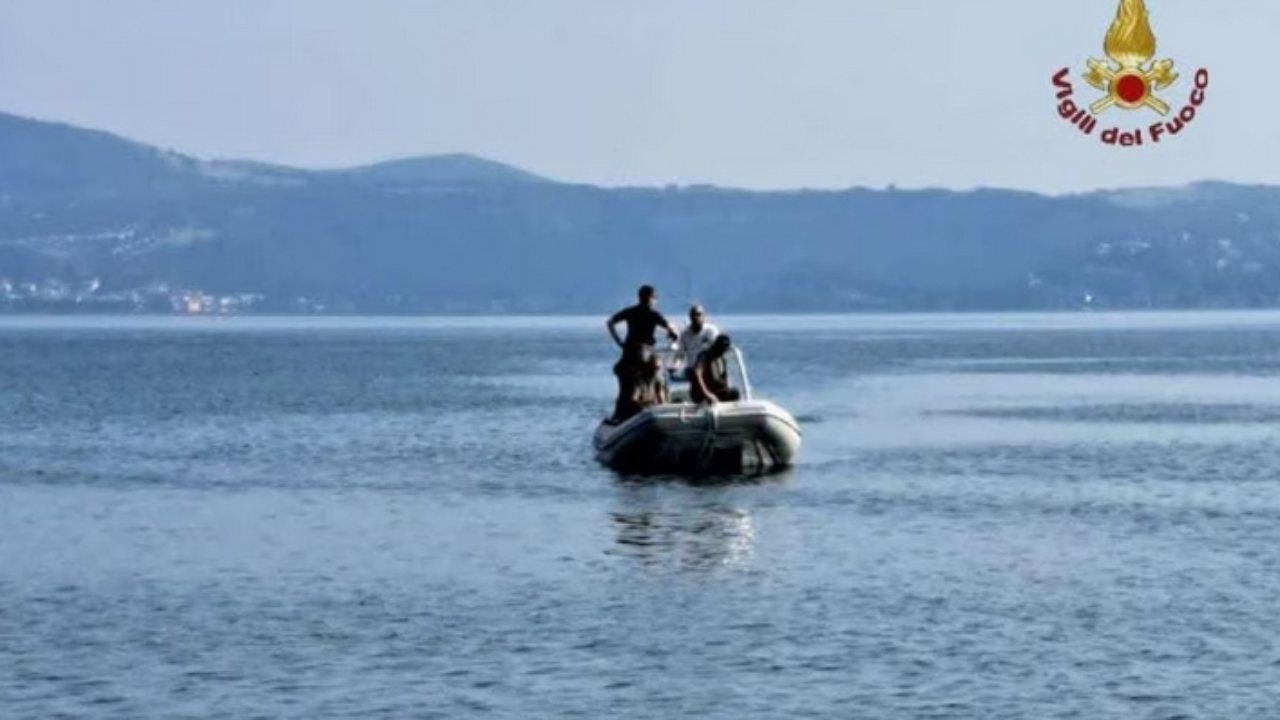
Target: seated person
column 627, row 370
column 651, row 390
column 709, row 382
column 641, row 389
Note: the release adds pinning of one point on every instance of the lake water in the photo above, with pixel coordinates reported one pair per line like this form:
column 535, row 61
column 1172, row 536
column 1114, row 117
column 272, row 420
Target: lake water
column 1022, row 516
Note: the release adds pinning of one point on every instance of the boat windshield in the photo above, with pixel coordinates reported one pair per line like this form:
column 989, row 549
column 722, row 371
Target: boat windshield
column 678, row 379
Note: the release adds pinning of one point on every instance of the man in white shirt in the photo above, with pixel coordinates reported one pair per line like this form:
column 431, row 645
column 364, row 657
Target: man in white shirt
column 695, row 338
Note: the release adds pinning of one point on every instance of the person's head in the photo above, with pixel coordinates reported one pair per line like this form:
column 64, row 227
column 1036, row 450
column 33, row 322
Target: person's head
column 648, row 296
column 697, row 315
column 719, row 347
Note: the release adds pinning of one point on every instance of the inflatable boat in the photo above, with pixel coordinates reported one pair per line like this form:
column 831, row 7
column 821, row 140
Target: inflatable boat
column 745, row 435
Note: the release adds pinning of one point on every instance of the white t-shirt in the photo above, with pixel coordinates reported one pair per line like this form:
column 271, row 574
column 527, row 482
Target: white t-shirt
column 692, row 342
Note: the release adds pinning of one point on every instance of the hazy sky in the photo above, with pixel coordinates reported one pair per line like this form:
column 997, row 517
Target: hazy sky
column 752, row 93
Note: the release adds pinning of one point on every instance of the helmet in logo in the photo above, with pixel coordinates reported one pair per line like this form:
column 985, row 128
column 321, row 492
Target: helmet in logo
column 1130, row 77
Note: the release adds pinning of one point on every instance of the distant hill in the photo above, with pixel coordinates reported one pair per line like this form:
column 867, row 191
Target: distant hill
column 90, row 222
column 436, row 170
column 39, row 158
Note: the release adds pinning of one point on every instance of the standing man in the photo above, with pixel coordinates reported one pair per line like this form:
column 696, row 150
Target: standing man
column 695, row 339
column 643, row 320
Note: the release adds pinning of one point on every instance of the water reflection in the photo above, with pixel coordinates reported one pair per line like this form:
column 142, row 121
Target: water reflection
column 699, row 536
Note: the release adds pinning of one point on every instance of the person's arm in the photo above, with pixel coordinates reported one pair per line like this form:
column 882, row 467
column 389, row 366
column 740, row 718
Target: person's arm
column 612, row 324
column 701, row 384
column 671, row 332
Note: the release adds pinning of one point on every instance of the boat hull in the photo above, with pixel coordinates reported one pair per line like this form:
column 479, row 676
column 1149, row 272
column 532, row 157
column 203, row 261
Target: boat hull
column 745, row 436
